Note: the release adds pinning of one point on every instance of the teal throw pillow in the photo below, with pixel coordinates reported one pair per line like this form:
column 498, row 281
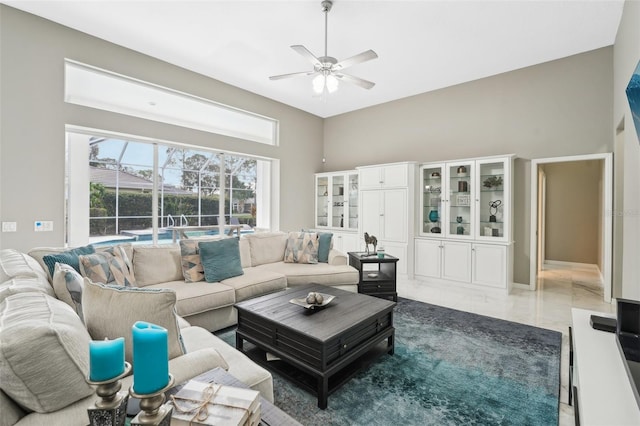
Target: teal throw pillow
column 70, row 257
column 324, row 246
column 220, row 259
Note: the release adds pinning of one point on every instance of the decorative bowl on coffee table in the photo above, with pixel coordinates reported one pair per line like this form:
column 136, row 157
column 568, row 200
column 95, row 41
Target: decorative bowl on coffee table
column 327, row 298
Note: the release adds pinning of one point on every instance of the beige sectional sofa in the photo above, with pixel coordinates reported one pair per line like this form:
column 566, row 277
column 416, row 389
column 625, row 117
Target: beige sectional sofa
column 210, row 305
column 27, row 379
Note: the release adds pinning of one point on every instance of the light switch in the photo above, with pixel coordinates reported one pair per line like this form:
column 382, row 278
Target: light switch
column 9, row 226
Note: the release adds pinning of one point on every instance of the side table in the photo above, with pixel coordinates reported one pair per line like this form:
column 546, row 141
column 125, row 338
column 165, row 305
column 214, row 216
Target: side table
column 379, row 281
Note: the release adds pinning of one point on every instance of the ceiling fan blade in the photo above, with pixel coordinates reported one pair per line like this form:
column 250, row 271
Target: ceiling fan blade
column 365, row 84
column 305, row 52
column 293, row 74
column 356, row 59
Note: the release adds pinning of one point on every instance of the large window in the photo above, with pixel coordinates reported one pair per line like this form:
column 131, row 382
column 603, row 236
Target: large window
column 189, row 187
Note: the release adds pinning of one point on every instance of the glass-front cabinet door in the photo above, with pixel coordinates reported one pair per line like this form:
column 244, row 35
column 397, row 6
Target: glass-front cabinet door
column 432, row 181
column 459, row 209
column 352, row 208
column 337, row 200
column 322, row 201
column 493, row 199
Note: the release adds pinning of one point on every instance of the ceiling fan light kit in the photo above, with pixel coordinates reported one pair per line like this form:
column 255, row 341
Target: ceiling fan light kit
column 326, row 69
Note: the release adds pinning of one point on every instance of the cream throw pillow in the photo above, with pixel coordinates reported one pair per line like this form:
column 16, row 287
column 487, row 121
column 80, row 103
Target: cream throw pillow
column 44, row 359
column 110, row 312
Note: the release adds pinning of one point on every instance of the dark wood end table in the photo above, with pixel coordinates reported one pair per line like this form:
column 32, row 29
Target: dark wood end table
column 318, row 349
column 379, row 282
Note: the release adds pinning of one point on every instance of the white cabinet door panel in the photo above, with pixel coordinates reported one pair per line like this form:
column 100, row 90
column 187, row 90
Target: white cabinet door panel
column 395, row 176
column 372, row 212
column 428, row 258
column 489, row 265
column 370, row 178
column 456, row 261
column 395, row 215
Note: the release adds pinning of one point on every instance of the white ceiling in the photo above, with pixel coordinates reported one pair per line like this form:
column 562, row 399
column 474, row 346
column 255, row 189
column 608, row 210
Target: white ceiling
column 422, row 45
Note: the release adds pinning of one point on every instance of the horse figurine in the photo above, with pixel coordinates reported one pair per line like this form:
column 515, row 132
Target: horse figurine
column 370, row 240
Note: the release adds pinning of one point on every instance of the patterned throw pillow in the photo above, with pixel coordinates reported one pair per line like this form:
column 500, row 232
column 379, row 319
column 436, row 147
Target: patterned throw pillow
column 302, row 247
column 68, row 286
column 107, row 266
column 192, row 268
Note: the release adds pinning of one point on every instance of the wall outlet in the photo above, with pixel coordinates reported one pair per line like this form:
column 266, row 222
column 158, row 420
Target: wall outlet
column 43, row 226
column 9, row 226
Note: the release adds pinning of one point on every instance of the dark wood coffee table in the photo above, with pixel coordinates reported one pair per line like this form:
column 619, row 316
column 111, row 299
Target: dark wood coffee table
column 326, row 346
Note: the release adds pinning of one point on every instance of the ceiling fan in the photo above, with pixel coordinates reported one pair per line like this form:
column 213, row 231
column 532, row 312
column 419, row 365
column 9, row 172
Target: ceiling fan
column 327, row 69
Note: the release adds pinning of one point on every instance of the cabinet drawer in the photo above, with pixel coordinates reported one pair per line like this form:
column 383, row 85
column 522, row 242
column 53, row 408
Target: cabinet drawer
column 377, row 286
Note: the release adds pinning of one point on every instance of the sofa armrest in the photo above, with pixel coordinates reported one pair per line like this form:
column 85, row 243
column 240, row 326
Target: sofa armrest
column 336, row 257
column 194, row 363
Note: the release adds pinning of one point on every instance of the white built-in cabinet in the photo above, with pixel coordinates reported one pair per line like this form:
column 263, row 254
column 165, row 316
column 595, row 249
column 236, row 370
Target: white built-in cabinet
column 386, row 209
column 337, row 208
column 464, row 222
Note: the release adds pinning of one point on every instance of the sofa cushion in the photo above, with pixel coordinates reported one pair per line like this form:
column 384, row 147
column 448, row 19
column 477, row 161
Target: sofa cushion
column 301, row 247
column 110, row 312
column 256, row 282
column 194, row 298
column 44, row 356
column 14, row 264
column 68, row 286
column 106, row 267
column 245, row 252
column 70, row 257
column 220, row 259
column 192, row 269
column 267, row 247
column 320, row 273
column 24, row 285
column 157, row 264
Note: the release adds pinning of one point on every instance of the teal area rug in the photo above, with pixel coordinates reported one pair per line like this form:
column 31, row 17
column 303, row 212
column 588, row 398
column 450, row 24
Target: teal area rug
column 449, row 368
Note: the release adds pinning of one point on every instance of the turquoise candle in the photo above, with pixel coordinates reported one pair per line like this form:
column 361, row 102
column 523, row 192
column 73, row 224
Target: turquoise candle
column 106, row 359
column 150, row 358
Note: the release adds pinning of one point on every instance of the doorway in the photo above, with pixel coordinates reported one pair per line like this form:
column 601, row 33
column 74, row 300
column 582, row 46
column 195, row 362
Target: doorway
column 592, row 225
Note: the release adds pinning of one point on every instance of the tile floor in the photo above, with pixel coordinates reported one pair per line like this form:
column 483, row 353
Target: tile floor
column 561, row 288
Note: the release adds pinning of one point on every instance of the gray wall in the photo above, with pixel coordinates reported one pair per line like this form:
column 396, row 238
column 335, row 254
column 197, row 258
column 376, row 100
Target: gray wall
column 626, row 54
column 554, row 109
column 33, row 118
column 573, row 206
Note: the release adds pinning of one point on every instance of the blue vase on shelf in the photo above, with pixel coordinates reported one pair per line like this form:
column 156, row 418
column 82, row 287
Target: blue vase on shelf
column 433, row 215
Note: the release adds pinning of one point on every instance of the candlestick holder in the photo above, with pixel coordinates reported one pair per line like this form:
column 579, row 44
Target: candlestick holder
column 153, row 411
column 111, row 408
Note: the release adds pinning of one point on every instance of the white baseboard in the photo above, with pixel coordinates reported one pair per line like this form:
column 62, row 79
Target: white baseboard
column 572, row 265
column 521, row 286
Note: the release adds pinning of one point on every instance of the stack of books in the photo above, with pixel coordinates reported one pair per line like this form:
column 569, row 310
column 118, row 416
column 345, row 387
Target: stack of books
column 229, row 406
